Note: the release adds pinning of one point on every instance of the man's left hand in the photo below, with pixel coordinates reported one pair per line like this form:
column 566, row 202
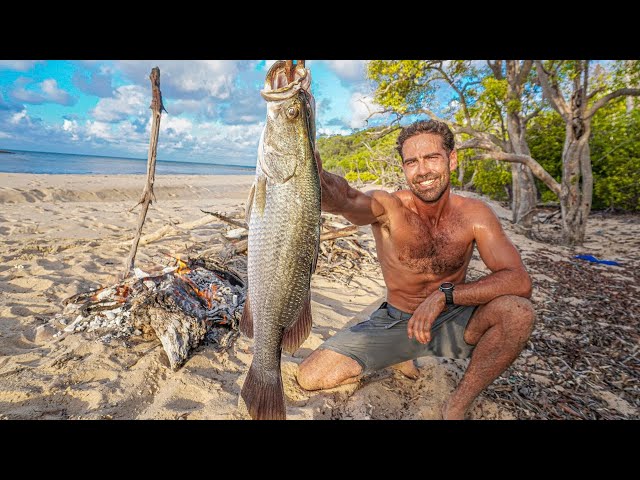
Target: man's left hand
column 420, row 323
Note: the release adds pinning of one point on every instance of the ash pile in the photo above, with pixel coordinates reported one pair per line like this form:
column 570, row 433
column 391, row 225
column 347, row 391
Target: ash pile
column 194, row 302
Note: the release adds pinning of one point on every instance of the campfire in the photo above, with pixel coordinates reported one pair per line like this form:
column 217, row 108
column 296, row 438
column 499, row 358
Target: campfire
column 183, row 305
column 199, row 300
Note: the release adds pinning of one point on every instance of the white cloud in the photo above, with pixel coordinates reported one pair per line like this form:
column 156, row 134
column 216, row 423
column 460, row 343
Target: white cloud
column 176, row 107
column 53, row 93
column 361, row 106
column 72, row 127
column 19, row 65
column 128, row 100
column 176, row 127
column 333, row 131
column 19, row 117
column 100, row 130
column 46, row 91
column 186, row 78
column 348, row 70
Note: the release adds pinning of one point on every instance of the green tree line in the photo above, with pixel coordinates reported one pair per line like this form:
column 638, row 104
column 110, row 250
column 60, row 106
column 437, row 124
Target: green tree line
column 615, row 151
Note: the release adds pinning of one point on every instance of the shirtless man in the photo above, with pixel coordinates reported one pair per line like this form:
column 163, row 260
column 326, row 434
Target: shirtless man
column 424, row 240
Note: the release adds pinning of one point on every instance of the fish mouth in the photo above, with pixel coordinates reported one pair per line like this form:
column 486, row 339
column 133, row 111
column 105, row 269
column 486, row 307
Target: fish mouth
column 278, row 86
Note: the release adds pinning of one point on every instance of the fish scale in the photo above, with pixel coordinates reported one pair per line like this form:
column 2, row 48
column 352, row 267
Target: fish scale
column 283, row 213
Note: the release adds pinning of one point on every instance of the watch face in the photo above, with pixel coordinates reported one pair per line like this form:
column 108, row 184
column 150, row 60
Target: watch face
column 447, row 286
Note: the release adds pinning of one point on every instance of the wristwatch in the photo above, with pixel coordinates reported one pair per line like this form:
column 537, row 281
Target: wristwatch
column 447, row 289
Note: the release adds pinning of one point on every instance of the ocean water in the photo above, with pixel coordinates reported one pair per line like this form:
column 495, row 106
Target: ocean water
column 21, row 161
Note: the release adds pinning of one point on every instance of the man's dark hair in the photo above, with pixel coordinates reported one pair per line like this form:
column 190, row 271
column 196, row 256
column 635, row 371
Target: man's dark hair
column 428, row 126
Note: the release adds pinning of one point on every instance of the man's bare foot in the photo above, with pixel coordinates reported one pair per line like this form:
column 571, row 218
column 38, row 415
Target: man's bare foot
column 408, row 369
column 451, row 414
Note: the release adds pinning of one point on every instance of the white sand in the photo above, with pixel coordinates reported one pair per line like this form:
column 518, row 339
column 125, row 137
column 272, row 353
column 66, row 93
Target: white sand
column 63, row 234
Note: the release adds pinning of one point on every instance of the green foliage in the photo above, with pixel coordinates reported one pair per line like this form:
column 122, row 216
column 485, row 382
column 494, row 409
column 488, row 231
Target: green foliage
column 615, row 154
column 615, row 157
column 492, row 178
column 361, row 176
column 545, row 137
column 349, row 156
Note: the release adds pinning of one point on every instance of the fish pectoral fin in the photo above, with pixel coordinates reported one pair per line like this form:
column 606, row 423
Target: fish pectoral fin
column 246, row 322
column 297, row 333
column 247, row 209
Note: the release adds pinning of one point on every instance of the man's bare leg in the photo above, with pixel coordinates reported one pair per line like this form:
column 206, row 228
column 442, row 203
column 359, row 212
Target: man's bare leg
column 499, row 330
column 408, row 369
column 325, row 368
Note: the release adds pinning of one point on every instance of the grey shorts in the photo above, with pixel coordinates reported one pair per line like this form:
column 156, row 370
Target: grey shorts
column 381, row 340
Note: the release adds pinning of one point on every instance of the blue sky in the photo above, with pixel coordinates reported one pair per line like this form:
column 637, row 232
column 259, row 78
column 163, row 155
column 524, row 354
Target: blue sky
column 215, row 111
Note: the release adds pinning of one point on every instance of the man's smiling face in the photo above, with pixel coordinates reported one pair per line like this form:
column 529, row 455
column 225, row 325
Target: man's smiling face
column 427, row 166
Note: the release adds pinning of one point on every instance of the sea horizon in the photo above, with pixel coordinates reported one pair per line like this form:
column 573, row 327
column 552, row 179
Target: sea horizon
column 55, row 163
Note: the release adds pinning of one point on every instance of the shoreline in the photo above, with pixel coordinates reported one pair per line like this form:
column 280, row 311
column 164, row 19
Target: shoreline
column 42, row 188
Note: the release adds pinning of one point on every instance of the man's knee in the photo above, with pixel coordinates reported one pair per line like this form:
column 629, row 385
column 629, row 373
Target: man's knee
column 515, row 311
column 326, row 369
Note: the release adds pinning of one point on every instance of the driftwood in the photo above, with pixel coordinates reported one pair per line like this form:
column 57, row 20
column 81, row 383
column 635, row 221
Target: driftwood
column 147, row 193
column 224, row 218
column 174, row 229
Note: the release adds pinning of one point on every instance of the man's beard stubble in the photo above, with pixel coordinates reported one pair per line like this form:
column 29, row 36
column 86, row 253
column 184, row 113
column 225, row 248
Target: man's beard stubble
column 430, row 196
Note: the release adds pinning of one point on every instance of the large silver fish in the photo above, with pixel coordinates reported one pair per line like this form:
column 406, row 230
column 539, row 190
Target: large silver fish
column 283, row 213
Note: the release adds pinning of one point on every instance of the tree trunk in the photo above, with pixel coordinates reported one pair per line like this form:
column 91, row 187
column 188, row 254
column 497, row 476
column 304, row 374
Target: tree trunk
column 461, row 169
column 630, row 101
column 525, row 196
column 524, row 191
column 577, row 186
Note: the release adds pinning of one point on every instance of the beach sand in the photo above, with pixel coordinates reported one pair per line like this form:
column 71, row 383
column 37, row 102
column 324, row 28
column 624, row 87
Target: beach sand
column 64, row 234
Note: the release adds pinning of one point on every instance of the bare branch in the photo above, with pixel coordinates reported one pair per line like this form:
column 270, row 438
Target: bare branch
column 489, row 137
column 535, row 167
column 384, row 132
column 460, row 93
column 526, row 119
column 622, row 92
column 477, row 143
column 468, row 84
column 496, row 68
column 552, row 92
column 595, row 92
column 524, row 72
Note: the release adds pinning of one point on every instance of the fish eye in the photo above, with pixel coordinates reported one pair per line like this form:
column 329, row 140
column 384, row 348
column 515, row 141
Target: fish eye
column 292, row 112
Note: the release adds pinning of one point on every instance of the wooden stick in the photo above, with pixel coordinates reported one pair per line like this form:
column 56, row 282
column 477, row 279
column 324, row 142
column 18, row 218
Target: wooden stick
column 341, row 232
column 224, row 218
column 147, row 193
column 174, row 229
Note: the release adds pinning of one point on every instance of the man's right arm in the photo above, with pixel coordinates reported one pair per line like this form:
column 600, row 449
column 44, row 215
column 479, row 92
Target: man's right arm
column 340, row 198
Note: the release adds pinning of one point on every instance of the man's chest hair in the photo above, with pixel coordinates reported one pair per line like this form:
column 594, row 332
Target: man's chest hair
column 423, row 248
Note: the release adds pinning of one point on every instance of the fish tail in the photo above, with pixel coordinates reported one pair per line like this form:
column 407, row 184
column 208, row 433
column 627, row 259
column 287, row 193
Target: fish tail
column 264, row 395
